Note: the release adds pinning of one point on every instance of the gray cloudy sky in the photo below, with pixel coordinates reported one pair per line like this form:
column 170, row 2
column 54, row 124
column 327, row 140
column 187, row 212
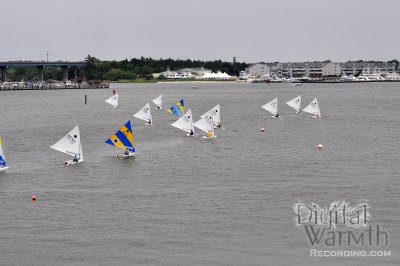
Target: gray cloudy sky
column 251, row 30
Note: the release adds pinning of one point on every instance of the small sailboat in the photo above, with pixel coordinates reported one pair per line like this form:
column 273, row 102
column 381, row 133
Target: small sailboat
column 71, row 145
column 123, row 140
column 206, row 124
column 145, row 114
column 195, row 86
column 113, row 100
column 185, row 123
column 295, row 104
column 3, row 164
column 272, row 107
column 313, row 108
column 216, row 115
column 158, row 101
column 178, row 109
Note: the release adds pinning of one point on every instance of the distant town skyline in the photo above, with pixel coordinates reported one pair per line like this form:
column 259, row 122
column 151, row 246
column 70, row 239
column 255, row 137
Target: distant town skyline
column 252, row 31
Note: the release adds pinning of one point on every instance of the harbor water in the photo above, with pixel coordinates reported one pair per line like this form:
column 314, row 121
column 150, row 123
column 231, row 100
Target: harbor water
column 192, row 201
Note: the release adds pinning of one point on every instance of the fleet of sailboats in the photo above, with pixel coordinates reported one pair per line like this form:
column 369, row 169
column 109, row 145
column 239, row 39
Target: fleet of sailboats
column 123, row 139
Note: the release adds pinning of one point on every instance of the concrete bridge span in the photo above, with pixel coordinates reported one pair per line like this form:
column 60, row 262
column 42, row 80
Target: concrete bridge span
column 40, row 65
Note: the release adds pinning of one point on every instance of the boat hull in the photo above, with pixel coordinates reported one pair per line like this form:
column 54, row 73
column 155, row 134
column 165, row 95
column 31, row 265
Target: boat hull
column 72, row 162
column 4, row 168
column 125, row 156
column 213, row 137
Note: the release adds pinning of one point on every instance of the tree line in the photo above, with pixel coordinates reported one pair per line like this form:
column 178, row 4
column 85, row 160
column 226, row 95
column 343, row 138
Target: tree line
column 144, row 67
column 134, row 68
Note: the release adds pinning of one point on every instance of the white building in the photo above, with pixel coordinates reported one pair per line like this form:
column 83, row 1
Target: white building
column 331, row 69
column 258, row 70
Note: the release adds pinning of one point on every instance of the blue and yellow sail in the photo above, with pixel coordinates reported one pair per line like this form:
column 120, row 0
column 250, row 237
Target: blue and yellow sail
column 178, row 109
column 123, row 139
column 2, row 159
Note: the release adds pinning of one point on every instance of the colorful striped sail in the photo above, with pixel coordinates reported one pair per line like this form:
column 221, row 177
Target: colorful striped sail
column 3, row 163
column 123, row 139
column 178, row 109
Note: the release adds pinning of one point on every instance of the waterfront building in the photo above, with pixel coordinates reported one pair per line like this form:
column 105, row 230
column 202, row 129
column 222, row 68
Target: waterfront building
column 258, row 70
column 317, row 70
column 331, row 70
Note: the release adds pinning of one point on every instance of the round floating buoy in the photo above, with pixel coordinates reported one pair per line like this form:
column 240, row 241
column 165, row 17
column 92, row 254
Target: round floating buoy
column 320, row 146
column 262, row 129
column 33, row 197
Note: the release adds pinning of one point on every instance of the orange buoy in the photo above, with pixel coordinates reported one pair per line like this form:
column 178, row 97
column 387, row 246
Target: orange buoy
column 33, row 197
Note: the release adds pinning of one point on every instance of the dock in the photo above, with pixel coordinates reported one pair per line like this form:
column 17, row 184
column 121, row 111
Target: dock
column 18, row 86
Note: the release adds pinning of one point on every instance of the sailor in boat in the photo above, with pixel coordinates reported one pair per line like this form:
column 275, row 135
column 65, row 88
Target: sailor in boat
column 191, row 133
column 126, row 152
column 149, row 123
column 209, row 134
column 276, row 116
column 219, row 125
column 75, row 159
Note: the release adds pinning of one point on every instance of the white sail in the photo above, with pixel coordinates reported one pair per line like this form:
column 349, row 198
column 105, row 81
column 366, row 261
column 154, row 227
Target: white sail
column 158, row 101
column 215, row 112
column 313, row 108
column 208, row 116
column 113, row 100
column 70, row 144
column 185, row 122
column 144, row 114
column 295, row 103
column 205, row 124
column 272, row 106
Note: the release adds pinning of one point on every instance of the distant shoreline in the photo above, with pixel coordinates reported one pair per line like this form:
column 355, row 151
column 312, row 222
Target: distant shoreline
column 175, row 81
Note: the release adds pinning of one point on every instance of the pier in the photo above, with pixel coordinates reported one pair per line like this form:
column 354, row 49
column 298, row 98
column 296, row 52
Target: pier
column 13, row 86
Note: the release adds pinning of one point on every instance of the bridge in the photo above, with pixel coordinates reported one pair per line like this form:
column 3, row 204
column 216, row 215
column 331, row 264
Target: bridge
column 40, row 65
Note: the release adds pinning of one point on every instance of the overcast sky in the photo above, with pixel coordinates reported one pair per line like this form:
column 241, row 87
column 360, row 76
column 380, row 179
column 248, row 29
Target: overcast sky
column 250, row 30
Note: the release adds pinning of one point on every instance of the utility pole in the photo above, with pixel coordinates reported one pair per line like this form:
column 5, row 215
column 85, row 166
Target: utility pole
column 47, row 55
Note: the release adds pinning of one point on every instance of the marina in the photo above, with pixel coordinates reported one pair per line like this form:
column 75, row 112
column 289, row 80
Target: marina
column 14, row 86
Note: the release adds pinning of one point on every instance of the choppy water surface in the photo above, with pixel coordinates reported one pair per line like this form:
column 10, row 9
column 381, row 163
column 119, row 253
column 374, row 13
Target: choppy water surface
column 189, row 201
